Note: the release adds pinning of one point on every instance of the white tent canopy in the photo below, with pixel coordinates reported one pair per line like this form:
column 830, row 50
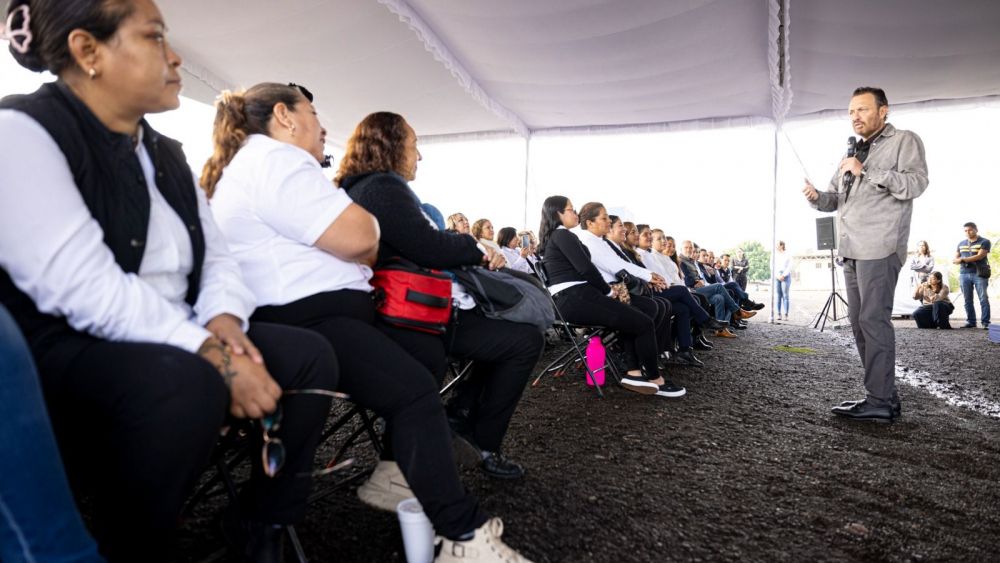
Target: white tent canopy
column 530, row 66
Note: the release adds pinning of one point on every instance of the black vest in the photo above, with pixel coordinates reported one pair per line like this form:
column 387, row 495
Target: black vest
column 110, row 179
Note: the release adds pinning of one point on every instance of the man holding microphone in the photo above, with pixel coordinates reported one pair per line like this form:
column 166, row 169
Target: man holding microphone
column 873, row 194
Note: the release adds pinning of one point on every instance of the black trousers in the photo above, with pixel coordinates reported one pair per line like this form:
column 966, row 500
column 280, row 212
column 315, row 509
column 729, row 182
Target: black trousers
column 380, row 375
column 934, row 315
column 136, row 423
column 583, row 304
column 504, row 355
column 688, row 312
column 661, row 311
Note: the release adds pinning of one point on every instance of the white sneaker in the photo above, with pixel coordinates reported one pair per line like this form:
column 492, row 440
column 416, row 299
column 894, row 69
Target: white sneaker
column 485, row 546
column 386, row 487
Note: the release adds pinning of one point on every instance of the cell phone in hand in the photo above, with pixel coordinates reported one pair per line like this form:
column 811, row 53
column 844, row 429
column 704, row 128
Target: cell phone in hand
column 525, row 241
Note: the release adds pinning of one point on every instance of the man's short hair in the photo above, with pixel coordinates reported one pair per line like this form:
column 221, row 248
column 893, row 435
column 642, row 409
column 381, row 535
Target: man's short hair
column 880, row 99
column 971, row 224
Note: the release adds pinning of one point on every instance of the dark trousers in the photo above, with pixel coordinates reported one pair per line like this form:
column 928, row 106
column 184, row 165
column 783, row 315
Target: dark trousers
column 378, row 374
column 136, row 423
column 661, row 311
column 934, row 315
column 687, row 311
column 504, row 354
column 870, row 286
column 585, row 305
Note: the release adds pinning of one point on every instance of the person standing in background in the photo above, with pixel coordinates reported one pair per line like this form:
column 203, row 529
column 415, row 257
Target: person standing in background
column 921, row 265
column 782, row 279
column 741, row 267
column 974, row 272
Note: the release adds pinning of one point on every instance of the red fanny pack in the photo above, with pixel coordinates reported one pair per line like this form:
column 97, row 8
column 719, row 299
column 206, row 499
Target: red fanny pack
column 412, row 297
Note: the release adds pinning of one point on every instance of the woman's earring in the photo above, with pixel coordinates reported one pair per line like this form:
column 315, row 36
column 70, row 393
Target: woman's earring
column 292, row 129
column 92, row 73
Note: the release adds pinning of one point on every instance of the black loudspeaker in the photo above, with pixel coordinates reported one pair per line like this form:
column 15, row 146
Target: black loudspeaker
column 826, row 233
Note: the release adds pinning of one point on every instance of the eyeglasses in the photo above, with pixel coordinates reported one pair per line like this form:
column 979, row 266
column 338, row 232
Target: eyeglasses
column 273, row 452
column 570, row 209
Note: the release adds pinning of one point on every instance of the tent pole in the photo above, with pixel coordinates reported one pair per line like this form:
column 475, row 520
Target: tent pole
column 527, row 157
column 774, row 220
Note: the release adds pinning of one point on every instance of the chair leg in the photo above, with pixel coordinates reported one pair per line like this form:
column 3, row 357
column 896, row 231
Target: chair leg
column 293, row 538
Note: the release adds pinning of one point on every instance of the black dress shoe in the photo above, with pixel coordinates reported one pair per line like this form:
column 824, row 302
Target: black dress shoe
column 687, row 358
column 714, row 324
column 499, row 467
column 702, row 343
column 897, row 408
column 863, row 410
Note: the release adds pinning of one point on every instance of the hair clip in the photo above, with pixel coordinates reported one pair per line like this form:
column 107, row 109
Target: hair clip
column 20, row 39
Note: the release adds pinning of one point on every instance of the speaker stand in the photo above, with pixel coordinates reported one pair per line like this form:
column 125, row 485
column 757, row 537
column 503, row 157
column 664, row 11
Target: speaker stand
column 829, row 310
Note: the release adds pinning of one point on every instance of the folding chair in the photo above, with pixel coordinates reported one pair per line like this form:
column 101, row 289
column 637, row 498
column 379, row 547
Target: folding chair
column 575, row 354
column 232, row 450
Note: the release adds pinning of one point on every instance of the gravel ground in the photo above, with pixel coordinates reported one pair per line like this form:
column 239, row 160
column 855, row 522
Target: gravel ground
column 750, row 465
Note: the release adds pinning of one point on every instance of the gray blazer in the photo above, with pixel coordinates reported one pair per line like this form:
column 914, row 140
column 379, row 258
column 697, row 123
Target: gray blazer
column 874, row 222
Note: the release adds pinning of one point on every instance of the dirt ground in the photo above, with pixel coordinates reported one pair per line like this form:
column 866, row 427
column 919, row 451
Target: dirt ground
column 749, row 466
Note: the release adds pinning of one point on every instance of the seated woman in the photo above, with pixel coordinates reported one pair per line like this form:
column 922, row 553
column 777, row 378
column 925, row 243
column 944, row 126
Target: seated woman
column 936, row 305
column 482, row 230
column 305, row 249
column 665, row 248
column 689, row 315
column 133, row 308
column 532, row 245
column 457, row 223
column 611, row 264
column 628, row 242
column 584, row 297
column 517, row 259
column 381, row 158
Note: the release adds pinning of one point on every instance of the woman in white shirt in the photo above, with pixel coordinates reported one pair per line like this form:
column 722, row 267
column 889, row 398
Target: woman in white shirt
column 135, row 312
column 306, row 248
column 517, row 258
column 610, row 260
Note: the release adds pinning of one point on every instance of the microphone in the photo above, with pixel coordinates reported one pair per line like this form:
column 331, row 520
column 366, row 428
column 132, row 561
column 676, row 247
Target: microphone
column 852, row 148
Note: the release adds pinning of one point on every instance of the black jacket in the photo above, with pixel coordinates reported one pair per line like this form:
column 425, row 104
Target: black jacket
column 566, row 259
column 406, row 232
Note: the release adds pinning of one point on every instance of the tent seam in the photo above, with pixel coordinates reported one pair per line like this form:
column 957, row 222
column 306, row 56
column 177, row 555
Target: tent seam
column 436, row 47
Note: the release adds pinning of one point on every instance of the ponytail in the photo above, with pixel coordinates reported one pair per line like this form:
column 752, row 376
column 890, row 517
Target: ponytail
column 239, row 115
column 228, row 134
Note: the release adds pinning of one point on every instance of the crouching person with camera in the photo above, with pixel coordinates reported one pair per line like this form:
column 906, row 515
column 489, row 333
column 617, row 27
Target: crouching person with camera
column 935, row 306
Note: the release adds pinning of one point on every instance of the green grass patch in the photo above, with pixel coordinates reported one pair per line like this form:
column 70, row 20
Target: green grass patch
column 794, row 349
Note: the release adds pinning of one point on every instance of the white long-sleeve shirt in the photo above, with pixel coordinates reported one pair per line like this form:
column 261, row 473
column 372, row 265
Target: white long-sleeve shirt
column 515, row 261
column 782, row 264
column 54, row 251
column 608, row 263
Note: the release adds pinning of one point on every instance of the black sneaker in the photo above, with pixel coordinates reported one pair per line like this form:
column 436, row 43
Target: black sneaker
column 687, row 358
column 668, row 389
column 499, row 467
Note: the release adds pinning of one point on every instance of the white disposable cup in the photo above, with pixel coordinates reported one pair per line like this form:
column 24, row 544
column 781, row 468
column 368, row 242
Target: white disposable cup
column 418, row 533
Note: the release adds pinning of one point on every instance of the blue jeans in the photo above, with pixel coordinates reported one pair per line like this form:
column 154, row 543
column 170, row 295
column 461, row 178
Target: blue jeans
column 720, row 300
column 968, row 281
column 38, row 520
column 781, row 289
